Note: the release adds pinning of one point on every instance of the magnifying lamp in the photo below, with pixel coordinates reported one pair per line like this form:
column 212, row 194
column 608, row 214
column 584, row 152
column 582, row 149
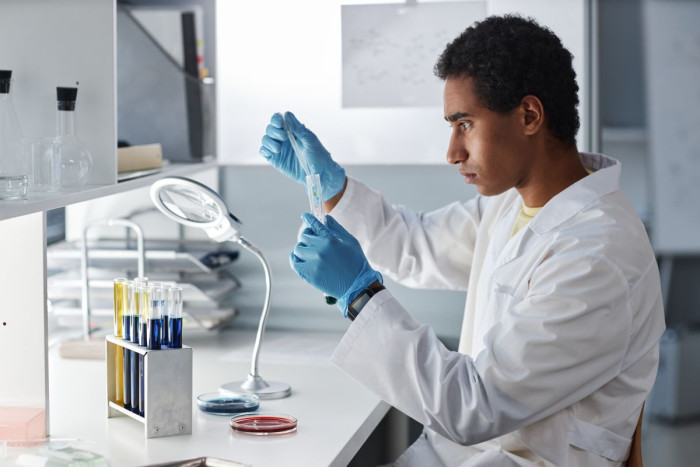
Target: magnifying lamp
column 195, row 205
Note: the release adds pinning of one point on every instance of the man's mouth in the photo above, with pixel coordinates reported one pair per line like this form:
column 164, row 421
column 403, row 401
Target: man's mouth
column 468, row 176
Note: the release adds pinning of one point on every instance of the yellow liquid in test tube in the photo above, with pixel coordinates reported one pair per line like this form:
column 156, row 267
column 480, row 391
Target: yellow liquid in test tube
column 120, row 288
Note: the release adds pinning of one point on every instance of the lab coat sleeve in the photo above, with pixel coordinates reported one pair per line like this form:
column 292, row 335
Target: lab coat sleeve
column 551, row 349
column 430, row 250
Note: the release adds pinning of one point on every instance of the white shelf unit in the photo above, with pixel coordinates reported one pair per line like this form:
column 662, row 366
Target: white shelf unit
column 49, row 43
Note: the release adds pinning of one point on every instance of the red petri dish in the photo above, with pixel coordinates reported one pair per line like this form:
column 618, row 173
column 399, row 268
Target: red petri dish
column 261, row 424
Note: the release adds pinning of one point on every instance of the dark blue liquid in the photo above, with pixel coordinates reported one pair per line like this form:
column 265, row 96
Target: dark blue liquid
column 175, row 333
column 142, row 384
column 155, row 333
column 166, row 330
column 229, row 406
column 126, row 325
column 143, row 336
column 127, row 378
column 135, row 386
column 134, row 329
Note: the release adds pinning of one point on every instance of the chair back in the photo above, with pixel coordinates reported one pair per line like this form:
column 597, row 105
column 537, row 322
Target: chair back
column 635, row 457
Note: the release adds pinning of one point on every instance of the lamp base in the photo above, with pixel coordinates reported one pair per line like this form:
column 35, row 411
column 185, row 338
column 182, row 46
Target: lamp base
column 256, row 385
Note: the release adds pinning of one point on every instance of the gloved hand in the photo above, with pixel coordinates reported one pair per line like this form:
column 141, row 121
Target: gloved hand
column 331, row 259
column 277, row 149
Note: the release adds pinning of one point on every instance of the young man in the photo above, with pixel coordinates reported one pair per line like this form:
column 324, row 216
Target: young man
column 559, row 344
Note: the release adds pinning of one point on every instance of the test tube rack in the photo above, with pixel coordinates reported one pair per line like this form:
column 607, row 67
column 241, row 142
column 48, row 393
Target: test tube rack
column 167, row 387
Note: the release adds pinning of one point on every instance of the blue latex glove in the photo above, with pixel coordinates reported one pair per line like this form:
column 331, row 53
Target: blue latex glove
column 331, row 259
column 277, row 149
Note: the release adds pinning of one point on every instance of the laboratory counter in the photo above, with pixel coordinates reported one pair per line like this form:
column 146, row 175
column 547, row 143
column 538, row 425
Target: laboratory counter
column 335, row 414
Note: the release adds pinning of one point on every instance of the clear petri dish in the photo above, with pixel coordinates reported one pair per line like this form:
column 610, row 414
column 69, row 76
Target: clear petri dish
column 263, row 424
column 217, row 403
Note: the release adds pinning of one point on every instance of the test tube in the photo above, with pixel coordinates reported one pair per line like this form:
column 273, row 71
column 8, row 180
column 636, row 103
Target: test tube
column 135, row 310
column 144, row 302
column 155, row 317
column 119, row 305
column 165, row 312
column 175, row 310
column 126, row 353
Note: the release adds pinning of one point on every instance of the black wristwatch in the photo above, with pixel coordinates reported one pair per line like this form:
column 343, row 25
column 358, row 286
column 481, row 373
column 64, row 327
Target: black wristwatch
column 361, row 300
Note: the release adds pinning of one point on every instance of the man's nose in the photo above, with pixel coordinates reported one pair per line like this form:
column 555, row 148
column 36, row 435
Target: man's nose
column 456, row 152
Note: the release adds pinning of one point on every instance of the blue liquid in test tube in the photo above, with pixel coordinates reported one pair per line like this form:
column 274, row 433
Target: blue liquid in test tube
column 175, row 333
column 175, row 310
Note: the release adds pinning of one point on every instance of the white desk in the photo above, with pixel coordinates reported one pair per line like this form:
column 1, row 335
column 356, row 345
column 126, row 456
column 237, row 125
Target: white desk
column 336, row 415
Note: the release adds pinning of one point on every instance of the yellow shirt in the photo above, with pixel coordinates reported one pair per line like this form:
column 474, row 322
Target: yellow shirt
column 524, row 216
column 527, row 213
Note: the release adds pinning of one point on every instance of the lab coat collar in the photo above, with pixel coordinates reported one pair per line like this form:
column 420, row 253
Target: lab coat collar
column 605, row 179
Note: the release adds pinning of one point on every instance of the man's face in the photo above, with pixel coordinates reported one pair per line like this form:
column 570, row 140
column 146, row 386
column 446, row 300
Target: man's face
column 489, row 148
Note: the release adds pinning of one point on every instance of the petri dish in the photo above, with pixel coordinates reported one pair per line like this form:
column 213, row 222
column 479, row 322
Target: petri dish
column 217, row 403
column 263, row 424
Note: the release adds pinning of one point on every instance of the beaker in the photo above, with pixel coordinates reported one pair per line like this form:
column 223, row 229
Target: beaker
column 42, row 157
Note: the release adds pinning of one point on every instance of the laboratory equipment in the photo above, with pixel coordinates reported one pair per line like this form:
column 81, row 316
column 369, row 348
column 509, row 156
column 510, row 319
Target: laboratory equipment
column 313, row 185
column 76, row 160
column 42, row 158
column 263, row 424
column 155, row 316
column 13, row 177
column 192, row 204
column 120, row 303
column 145, row 307
column 313, row 180
column 217, row 403
column 167, row 389
column 175, row 321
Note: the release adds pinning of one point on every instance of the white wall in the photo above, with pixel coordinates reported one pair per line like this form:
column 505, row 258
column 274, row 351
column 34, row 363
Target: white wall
column 276, row 55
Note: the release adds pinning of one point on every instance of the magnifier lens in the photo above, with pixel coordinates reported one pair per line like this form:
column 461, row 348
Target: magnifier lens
column 189, row 204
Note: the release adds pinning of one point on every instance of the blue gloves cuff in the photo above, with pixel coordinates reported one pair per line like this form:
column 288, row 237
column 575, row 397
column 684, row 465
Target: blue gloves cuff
column 332, row 181
column 363, row 280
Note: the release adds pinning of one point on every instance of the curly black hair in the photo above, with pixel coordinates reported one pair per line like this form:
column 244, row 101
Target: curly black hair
column 509, row 57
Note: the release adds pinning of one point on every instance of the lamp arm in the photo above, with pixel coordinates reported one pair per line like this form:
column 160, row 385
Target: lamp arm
column 266, row 306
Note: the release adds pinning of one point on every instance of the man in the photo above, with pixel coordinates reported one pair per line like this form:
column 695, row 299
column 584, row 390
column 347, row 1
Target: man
column 559, row 344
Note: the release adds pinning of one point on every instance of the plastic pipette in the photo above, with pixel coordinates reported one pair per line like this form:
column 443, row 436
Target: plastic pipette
column 313, row 181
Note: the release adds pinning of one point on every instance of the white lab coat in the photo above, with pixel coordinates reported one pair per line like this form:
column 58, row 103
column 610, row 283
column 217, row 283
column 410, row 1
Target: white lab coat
column 559, row 341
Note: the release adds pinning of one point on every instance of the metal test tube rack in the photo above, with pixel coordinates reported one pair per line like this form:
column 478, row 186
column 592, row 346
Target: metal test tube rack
column 167, row 387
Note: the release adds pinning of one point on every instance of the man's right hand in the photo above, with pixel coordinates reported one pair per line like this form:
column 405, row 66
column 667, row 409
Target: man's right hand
column 277, row 149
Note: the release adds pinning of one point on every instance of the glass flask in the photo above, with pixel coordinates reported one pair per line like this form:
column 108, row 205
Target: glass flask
column 13, row 177
column 76, row 161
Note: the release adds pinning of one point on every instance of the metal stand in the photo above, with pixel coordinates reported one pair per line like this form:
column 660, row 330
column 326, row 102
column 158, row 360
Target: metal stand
column 254, row 382
column 167, row 388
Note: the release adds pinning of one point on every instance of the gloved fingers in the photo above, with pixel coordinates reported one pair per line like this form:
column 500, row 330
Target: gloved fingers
column 306, row 252
column 316, row 226
column 276, row 120
column 275, row 132
column 335, row 227
column 272, row 145
column 292, row 123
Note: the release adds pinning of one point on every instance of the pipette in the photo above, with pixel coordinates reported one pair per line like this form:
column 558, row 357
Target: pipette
column 313, row 181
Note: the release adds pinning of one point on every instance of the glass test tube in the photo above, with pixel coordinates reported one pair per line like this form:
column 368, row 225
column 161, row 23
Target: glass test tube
column 126, row 331
column 120, row 289
column 165, row 312
column 155, row 317
column 175, row 322
column 144, row 305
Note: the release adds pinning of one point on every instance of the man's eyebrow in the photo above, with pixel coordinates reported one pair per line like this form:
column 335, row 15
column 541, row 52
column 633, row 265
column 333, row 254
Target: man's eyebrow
column 456, row 116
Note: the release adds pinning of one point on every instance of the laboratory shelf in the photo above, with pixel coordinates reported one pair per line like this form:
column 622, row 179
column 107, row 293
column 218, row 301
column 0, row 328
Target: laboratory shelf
column 37, row 202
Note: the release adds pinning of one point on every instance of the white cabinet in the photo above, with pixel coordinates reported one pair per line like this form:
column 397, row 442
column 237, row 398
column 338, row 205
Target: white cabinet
column 49, row 43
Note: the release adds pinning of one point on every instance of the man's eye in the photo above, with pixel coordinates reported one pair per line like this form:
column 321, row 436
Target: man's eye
column 465, row 125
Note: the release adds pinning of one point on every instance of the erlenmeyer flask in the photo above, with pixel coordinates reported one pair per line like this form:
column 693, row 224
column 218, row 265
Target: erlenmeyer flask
column 13, row 176
column 76, row 161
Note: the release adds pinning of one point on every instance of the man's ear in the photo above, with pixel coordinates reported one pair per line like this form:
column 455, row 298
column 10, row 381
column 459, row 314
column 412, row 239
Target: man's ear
column 532, row 112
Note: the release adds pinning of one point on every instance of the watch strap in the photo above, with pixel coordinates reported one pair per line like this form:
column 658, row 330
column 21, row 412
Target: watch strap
column 361, row 300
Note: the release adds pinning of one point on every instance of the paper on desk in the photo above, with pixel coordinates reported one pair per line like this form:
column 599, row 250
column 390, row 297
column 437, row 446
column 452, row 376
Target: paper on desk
column 290, row 348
